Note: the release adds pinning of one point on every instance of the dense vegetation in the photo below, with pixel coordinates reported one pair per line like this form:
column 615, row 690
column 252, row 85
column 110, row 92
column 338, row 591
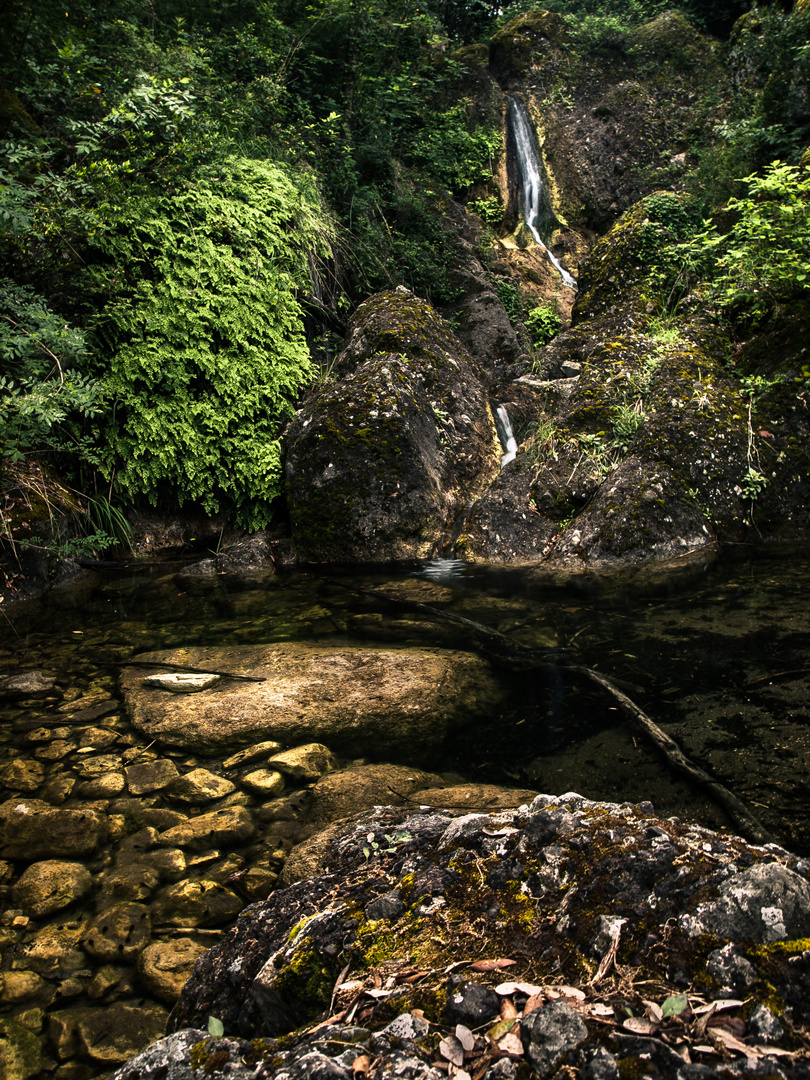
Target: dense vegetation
column 183, row 182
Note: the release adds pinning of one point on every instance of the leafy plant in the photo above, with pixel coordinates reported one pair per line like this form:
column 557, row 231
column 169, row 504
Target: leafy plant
column 488, row 209
column 509, row 296
column 204, row 339
column 392, row 840
column 543, row 324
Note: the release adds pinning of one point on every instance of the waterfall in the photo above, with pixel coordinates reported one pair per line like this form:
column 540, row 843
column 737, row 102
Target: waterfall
column 506, row 435
column 535, row 204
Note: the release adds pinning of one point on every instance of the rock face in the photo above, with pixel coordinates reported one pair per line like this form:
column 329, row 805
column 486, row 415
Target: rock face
column 381, row 460
column 373, row 702
column 576, row 904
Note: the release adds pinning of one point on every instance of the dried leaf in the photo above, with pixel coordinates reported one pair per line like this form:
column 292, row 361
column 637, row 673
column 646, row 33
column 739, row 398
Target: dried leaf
column 535, row 1002
column 730, row 1023
column 674, row 1005
column 378, row 994
column 460, row 1074
column 640, row 1025
column 511, row 1044
column 655, row 1011
column 731, row 1042
column 452, row 1050
column 506, row 989
column 361, row 1064
column 718, row 1006
column 491, row 965
column 418, row 1012
column 572, row 992
column 508, row 1010
column 600, row 1009
column 465, row 1037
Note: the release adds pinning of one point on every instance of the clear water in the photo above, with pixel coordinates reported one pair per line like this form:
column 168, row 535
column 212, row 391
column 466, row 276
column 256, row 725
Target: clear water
column 718, row 655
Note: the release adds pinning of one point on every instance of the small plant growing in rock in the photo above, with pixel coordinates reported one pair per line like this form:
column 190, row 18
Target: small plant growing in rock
column 393, row 840
column 543, row 323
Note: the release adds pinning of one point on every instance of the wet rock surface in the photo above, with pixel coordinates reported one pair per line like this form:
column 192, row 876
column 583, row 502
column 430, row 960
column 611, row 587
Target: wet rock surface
column 359, row 701
column 524, row 942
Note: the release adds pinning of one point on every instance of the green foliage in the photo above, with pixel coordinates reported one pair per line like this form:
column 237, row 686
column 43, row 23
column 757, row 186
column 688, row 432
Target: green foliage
column 203, row 341
column 765, row 257
column 43, row 396
column 509, row 296
column 456, row 151
column 488, row 209
column 543, row 324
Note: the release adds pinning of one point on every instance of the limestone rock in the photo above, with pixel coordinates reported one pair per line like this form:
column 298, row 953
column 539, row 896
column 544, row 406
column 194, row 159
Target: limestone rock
column 181, row 683
column 764, row 903
column 195, row 903
column 55, row 951
column 49, row 886
column 227, row 828
column 308, row 762
column 18, row 986
column 27, row 684
column 105, row 786
column 199, row 786
column 355, row 700
column 251, row 754
column 396, row 446
column 118, row 933
column 150, row 776
column 164, row 967
column 347, row 792
column 116, row 1033
column 266, row 782
column 31, row 829
column 22, row 774
column 20, row 1051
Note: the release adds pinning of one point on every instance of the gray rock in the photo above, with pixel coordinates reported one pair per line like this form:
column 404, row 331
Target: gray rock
column 168, row 1059
column 763, row 1025
column 733, row 972
column 471, row 1004
column 765, row 903
column 27, row 684
column 549, row 1033
column 388, row 907
column 407, row 1026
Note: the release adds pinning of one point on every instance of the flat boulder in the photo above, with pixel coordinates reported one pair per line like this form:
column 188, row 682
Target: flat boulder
column 31, row 829
column 360, row 702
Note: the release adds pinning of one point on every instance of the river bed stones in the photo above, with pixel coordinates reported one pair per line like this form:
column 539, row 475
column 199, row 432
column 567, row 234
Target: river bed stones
column 30, row 828
column 47, row 887
column 360, row 701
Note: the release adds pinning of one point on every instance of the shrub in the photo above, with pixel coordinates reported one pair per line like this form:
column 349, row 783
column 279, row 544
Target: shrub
column 543, row 323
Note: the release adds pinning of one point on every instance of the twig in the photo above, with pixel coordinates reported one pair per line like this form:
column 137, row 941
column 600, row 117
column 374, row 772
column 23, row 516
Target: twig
column 193, row 670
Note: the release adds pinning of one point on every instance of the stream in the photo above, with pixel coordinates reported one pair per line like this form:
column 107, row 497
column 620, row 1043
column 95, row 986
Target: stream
column 716, row 654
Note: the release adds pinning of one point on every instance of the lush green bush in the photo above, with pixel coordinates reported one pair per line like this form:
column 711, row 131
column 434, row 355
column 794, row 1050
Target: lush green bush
column 202, row 347
column 543, row 324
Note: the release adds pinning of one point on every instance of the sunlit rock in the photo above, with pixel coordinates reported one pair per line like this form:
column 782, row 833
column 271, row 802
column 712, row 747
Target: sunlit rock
column 46, row 887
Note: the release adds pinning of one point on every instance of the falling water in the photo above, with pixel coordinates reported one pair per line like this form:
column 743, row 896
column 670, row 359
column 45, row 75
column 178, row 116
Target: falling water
column 506, row 435
column 531, row 179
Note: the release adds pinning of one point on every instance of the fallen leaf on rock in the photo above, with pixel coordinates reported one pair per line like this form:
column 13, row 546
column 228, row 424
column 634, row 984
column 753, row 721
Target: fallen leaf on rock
column 451, row 1050
column 566, row 991
column 730, row 1023
column 506, row 989
column 465, row 1037
column 508, row 1010
column 717, row 1006
column 500, row 1029
column 511, row 1044
column 460, row 1074
column 731, row 1042
column 535, row 1002
column 491, row 965
column 640, row 1025
column 600, row 1009
column 361, row 1064
column 655, row 1012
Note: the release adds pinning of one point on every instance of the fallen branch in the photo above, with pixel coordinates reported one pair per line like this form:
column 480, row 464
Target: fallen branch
column 193, row 670
column 498, row 646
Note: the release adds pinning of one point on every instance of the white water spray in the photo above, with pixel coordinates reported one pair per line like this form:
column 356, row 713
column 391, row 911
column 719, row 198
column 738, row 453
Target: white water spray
column 531, row 180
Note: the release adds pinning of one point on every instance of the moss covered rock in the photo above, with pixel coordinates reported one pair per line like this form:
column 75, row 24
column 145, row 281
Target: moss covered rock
column 381, row 460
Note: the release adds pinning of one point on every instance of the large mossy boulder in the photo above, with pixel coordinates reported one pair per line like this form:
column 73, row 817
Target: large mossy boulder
column 378, row 703
column 383, row 457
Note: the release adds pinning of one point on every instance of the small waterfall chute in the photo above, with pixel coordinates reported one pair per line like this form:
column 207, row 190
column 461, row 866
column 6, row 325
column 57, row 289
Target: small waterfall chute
column 506, row 435
column 535, row 204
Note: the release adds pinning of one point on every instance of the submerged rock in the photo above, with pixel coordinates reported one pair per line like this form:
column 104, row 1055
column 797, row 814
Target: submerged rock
column 359, row 701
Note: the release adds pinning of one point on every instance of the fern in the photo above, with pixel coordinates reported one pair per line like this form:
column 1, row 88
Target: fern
column 208, row 349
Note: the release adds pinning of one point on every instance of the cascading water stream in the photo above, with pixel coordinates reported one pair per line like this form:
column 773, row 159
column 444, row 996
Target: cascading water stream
column 506, row 435
column 531, row 180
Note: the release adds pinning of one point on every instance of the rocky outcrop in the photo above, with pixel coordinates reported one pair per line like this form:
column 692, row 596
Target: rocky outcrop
column 360, row 701
column 566, row 934
column 382, row 459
